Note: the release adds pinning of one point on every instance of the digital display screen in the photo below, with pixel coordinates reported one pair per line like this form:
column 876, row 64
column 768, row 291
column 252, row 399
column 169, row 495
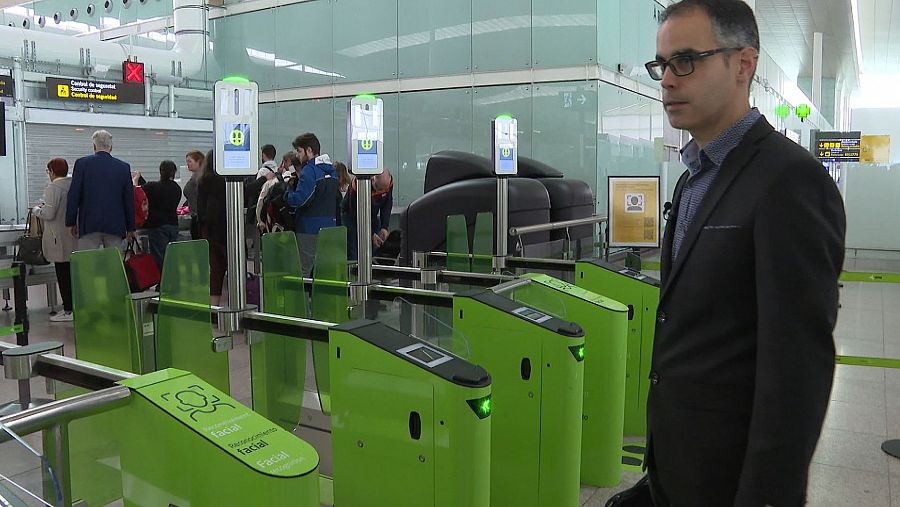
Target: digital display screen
column 236, row 138
column 838, row 146
column 366, row 155
column 507, row 160
column 531, row 314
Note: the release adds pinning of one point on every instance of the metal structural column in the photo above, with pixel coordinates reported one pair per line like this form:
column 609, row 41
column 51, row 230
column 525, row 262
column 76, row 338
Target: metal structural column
column 360, row 290
column 237, row 254
column 817, row 70
column 502, row 224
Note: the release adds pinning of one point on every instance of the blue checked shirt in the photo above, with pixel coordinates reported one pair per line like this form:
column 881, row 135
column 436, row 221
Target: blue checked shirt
column 703, row 166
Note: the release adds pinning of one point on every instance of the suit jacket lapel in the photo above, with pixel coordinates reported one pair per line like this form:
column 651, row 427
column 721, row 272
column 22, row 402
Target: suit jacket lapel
column 665, row 261
column 733, row 165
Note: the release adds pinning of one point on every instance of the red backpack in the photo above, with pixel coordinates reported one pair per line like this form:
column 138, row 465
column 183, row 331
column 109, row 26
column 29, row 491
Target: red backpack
column 141, row 207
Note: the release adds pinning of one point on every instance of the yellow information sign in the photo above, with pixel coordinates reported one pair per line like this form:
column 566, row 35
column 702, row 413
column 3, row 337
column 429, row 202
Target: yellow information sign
column 875, row 150
column 633, row 211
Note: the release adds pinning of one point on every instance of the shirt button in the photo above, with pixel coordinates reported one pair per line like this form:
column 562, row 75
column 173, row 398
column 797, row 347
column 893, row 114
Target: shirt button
column 661, row 317
column 654, row 378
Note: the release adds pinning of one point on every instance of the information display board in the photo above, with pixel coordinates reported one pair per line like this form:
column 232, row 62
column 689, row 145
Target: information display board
column 505, row 131
column 838, row 146
column 94, row 91
column 633, row 211
column 7, row 86
column 365, row 134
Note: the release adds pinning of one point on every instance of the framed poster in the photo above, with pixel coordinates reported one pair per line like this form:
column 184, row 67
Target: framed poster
column 633, row 211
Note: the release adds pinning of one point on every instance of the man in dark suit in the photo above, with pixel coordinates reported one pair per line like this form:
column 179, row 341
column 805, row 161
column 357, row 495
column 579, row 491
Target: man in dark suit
column 100, row 208
column 743, row 356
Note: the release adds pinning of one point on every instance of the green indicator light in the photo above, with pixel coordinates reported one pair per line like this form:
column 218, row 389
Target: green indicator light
column 782, row 110
column 577, row 352
column 235, row 79
column 504, row 117
column 802, row 111
column 366, row 96
column 481, row 406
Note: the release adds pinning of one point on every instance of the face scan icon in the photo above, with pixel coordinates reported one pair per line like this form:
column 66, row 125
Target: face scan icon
column 634, row 203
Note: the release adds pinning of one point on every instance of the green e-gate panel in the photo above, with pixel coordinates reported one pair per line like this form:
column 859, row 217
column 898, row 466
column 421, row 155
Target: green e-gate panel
column 641, row 294
column 605, row 324
column 187, row 443
column 410, row 422
column 536, row 363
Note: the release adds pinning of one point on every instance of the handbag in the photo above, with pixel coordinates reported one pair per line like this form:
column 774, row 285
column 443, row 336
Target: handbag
column 140, row 268
column 28, row 247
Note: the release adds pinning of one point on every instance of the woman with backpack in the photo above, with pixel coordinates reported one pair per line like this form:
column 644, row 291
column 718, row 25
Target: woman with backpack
column 56, row 242
column 163, row 197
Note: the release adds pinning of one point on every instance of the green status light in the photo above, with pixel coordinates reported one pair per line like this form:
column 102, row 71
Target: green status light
column 782, row 110
column 802, row 111
column 235, row 79
column 504, row 117
column 578, row 352
column 366, row 96
column 481, row 406
column 581, row 352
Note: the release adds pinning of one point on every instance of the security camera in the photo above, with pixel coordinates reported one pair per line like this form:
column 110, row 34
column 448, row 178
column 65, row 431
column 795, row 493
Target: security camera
column 142, row 1
column 108, row 5
column 26, row 23
column 10, row 24
column 126, row 3
column 73, row 14
column 57, row 17
column 90, row 9
column 42, row 21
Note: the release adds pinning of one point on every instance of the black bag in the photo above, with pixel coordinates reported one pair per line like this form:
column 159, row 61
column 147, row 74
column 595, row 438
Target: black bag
column 635, row 496
column 28, row 247
column 277, row 215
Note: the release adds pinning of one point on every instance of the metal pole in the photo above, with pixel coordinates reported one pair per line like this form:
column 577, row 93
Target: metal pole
column 20, row 295
column 172, row 113
column 237, row 255
column 364, row 229
column 502, row 223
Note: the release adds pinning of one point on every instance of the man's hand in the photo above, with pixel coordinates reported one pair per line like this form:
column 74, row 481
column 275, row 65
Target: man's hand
column 73, row 230
column 383, row 233
column 136, row 178
column 376, row 240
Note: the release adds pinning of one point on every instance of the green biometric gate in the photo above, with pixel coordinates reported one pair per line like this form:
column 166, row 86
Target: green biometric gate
column 457, row 244
column 278, row 363
column 105, row 334
column 535, row 362
column 184, row 333
column 640, row 293
column 411, row 423
column 329, row 300
column 187, row 443
column 605, row 324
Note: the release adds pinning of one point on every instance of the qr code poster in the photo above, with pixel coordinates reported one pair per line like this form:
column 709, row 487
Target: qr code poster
column 634, row 203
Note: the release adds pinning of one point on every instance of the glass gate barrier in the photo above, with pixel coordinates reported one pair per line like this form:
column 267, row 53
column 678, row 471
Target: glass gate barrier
column 26, row 477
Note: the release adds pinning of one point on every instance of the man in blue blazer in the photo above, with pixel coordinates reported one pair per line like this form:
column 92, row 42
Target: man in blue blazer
column 100, row 208
column 743, row 356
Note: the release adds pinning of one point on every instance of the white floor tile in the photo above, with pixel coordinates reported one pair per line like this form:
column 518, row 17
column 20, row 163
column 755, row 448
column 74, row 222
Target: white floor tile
column 847, row 449
column 856, row 417
column 842, row 487
column 852, row 390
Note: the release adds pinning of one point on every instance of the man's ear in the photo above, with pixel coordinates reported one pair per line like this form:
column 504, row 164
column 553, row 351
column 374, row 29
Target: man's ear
column 748, row 60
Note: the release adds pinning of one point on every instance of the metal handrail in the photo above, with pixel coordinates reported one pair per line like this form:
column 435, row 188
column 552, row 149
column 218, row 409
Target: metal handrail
column 62, row 411
column 527, row 229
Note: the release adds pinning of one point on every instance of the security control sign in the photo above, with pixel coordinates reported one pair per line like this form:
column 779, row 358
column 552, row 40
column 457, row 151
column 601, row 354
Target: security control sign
column 505, row 131
column 236, row 127
column 838, row 146
column 7, row 86
column 365, row 134
column 94, row 91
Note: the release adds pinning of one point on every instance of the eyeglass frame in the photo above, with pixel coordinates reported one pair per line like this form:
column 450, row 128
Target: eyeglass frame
column 691, row 57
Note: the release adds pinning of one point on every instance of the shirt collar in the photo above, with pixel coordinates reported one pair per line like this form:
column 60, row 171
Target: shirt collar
column 719, row 148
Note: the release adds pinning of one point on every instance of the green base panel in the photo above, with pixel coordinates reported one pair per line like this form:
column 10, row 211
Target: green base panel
column 850, row 276
column 403, row 435
column 537, row 399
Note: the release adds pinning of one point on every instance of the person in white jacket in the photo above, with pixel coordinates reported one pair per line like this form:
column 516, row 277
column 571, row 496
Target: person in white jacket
column 286, row 170
column 57, row 243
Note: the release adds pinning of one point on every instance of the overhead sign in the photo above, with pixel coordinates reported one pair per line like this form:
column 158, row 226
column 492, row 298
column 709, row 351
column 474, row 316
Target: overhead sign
column 94, row 91
column 7, row 86
column 838, row 146
column 633, row 211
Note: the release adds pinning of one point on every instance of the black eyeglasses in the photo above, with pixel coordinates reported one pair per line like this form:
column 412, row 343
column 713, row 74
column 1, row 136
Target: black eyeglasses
column 681, row 65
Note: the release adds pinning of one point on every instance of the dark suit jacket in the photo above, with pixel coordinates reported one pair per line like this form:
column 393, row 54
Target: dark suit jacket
column 743, row 357
column 101, row 198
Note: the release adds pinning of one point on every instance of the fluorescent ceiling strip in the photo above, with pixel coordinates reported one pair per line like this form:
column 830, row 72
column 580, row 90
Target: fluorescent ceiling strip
column 854, row 13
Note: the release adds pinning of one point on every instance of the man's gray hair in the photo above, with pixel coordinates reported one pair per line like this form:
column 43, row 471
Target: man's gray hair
column 733, row 21
column 102, row 140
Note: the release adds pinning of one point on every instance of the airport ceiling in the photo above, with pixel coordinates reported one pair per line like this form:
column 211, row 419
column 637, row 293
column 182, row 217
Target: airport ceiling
column 787, row 28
